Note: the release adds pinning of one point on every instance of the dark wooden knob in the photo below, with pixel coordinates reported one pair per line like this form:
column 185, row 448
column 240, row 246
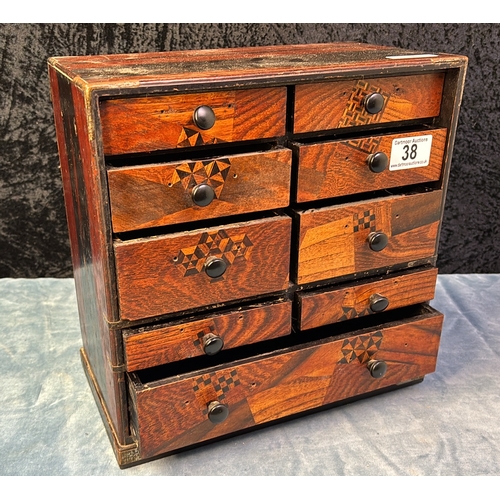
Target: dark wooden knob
column 376, row 368
column 212, row 344
column 204, row 117
column 374, row 103
column 215, row 267
column 377, row 241
column 202, row 195
column 378, row 162
column 217, row 412
column 378, row 303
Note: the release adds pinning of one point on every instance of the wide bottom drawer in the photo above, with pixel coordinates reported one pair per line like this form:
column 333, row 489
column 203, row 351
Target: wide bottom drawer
column 180, row 411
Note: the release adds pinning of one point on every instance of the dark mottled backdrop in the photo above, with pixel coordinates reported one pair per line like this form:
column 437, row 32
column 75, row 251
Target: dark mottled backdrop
column 33, row 235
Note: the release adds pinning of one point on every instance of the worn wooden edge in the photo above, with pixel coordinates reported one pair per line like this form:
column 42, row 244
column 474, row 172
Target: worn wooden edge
column 284, row 70
column 87, row 135
column 450, row 110
column 77, row 156
column 126, row 454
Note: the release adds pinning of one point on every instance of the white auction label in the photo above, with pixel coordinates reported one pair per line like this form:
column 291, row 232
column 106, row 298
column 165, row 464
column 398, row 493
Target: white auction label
column 410, row 152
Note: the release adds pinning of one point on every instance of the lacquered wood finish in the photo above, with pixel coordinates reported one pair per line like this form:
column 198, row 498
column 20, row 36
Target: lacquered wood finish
column 245, row 66
column 166, row 274
column 339, row 168
column 159, row 194
column 343, row 303
column 333, row 241
column 89, row 245
column 172, row 413
column 143, row 252
column 146, row 124
column 340, row 104
column 151, row 347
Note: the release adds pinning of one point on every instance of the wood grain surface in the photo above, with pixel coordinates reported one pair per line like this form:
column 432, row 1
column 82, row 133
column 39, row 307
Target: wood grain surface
column 114, row 105
column 338, row 168
column 353, row 301
column 166, row 274
column 340, row 104
column 244, row 65
column 172, row 413
column 144, row 124
column 151, row 347
column 333, row 241
column 159, row 194
column 83, row 200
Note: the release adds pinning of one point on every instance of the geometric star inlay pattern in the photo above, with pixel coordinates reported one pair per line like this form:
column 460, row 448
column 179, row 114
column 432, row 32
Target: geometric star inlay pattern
column 362, row 347
column 211, row 172
column 351, row 313
column 191, row 260
column 189, row 137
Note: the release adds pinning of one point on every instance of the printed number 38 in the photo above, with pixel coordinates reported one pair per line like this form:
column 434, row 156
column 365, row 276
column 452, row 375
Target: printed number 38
column 410, row 153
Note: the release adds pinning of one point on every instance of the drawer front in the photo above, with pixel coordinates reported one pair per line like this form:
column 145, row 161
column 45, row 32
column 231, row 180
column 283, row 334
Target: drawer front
column 169, row 343
column 143, row 124
column 174, row 413
column 341, row 104
column 171, row 193
column 339, row 168
column 335, row 241
column 181, row 271
column 380, row 294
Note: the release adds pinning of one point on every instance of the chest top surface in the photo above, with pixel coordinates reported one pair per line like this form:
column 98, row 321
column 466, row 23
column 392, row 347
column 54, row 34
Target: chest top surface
column 244, row 66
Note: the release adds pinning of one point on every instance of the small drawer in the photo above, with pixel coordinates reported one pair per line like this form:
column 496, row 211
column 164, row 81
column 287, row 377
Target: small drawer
column 354, row 237
column 338, row 168
column 342, row 303
column 171, row 193
column 143, row 124
column 357, row 103
column 180, row 271
column 181, row 410
column 150, row 346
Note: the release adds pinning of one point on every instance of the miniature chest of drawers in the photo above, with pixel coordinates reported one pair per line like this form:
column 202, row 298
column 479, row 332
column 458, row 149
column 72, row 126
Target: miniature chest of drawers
column 254, row 231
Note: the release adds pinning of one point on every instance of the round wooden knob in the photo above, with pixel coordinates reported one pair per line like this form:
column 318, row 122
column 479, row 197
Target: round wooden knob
column 202, row 195
column 204, row 117
column 217, row 412
column 212, row 344
column 376, row 368
column 374, row 103
column 378, row 303
column 215, row 267
column 377, row 241
column 378, row 162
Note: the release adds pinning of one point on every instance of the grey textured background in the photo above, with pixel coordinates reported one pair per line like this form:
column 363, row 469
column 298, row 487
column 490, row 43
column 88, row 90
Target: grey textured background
column 33, row 234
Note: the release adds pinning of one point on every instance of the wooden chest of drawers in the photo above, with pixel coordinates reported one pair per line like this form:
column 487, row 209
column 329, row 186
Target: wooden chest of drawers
column 254, row 231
